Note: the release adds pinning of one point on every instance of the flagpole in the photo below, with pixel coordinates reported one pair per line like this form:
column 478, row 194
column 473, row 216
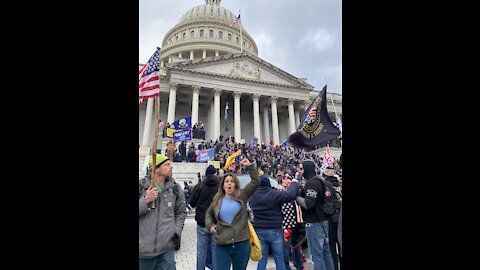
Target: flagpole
column 241, row 37
column 155, row 140
column 154, row 146
column 334, row 110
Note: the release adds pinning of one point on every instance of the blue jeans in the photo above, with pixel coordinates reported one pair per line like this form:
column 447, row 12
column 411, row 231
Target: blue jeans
column 317, row 238
column 271, row 238
column 165, row 261
column 237, row 254
column 202, row 246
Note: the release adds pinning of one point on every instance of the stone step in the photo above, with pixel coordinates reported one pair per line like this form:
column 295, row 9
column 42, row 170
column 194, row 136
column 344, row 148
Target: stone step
column 182, row 171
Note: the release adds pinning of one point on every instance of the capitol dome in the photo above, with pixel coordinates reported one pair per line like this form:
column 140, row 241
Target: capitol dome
column 206, row 31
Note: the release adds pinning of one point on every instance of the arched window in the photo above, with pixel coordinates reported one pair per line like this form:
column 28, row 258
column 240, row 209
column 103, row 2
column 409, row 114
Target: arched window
column 220, row 35
column 211, row 34
column 201, row 33
column 176, row 38
column 238, row 41
column 184, row 35
column 192, row 34
column 229, row 36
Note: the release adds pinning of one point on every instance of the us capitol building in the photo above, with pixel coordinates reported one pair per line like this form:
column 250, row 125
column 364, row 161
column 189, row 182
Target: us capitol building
column 204, row 66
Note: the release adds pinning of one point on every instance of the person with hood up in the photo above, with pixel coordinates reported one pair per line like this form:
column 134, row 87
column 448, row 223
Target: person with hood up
column 201, row 198
column 316, row 222
column 266, row 204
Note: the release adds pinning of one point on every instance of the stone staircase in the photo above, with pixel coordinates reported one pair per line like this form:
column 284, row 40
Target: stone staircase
column 182, row 171
column 186, row 171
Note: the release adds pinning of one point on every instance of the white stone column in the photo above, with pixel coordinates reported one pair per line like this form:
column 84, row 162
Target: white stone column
column 145, row 148
column 204, row 54
column 208, row 126
column 191, row 55
column 256, row 117
column 216, row 113
column 291, row 115
column 196, row 91
column 217, row 54
column 266, row 126
column 297, row 117
column 276, row 137
column 162, row 64
column 179, row 55
column 236, row 105
column 171, row 102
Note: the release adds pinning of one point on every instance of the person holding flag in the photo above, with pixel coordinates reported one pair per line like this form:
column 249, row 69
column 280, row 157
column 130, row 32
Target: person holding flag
column 160, row 228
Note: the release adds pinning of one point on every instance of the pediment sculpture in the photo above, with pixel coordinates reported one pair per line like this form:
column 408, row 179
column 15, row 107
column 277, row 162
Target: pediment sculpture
column 245, row 70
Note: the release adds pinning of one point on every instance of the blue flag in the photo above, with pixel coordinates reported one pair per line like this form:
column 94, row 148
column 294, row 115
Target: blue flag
column 184, row 123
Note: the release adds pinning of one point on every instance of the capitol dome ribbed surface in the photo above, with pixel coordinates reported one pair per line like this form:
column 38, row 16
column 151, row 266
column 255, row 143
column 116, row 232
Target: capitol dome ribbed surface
column 210, row 12
column 206, row 31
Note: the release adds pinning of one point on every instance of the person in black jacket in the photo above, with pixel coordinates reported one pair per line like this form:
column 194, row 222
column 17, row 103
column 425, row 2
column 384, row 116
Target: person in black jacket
column 316, row 222
column 201, row 198
column 328, row 175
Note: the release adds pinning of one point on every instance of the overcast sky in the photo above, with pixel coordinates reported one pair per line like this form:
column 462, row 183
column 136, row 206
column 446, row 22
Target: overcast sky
column 303, row 38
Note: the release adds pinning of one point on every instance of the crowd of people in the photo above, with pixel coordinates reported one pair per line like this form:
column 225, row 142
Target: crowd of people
column 283, row 216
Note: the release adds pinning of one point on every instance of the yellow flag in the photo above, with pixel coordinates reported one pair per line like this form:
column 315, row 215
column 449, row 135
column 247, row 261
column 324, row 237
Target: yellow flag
column 230, row 158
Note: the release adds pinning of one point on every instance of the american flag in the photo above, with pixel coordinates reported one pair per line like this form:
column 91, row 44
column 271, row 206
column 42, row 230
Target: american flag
column 327, row 159
column 149, row 78
column 237, row 20
column 161, row 124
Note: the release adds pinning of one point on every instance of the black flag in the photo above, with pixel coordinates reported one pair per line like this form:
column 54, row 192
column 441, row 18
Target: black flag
column 315, row 127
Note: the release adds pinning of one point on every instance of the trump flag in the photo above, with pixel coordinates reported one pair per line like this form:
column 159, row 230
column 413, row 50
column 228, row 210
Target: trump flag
column 315, row 127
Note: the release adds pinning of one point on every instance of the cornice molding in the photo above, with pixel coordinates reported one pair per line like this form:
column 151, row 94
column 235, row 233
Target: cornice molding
column 182, row 67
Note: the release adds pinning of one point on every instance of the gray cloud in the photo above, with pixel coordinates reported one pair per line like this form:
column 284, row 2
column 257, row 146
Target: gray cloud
column 303, row 38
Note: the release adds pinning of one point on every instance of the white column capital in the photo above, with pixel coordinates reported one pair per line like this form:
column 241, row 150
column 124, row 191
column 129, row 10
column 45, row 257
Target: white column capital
column 196, row 89
column 306, row 103
column 173, row 86
column 291, row 101
column 256, row 97
column 217, row 91
column 237, row 94
column 273, row 99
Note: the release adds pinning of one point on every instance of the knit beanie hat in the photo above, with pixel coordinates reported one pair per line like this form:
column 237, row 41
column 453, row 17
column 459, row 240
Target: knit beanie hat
column 160, row 159
column 264, row 181
column 210, row 170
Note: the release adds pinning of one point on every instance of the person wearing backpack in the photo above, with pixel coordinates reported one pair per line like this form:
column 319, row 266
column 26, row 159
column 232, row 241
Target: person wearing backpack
column 312, row 199
column 160, row 228
column 329, row 175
